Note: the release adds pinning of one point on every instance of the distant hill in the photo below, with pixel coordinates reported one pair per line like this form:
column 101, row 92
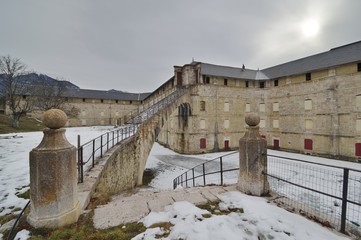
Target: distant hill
column 40, row 79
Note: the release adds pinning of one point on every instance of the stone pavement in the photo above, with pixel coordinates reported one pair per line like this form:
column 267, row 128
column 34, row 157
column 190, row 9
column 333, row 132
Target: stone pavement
column 132, row 206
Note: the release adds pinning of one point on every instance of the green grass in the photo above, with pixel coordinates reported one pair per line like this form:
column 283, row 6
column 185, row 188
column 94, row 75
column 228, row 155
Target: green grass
column 83, row 229
column 26, row 125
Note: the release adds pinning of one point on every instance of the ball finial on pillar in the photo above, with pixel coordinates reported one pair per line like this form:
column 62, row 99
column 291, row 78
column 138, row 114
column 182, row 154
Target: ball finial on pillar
column 252, row 119
column 55, row 118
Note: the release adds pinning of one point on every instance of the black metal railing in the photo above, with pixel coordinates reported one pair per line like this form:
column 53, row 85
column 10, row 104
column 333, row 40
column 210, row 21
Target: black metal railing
column 329, row 193
column 326, row 193
column 215, row 171
column 9, row 236
column 88, row 152
column 157, row 107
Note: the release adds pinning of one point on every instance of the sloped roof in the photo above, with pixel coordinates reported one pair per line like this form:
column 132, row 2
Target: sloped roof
column 109, row 95
column 231, row 72
column 349, row 53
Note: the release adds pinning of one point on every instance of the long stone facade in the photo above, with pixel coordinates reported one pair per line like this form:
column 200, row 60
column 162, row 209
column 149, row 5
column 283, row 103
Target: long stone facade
column 312, row 110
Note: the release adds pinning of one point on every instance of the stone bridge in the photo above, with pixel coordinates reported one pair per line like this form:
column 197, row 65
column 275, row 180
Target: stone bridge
column 122, row 167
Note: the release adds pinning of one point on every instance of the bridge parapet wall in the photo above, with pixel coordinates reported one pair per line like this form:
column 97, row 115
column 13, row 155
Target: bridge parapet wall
column 125, row 165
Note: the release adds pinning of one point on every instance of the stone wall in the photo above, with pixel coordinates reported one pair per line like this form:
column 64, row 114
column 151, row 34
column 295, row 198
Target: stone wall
column 323, row 110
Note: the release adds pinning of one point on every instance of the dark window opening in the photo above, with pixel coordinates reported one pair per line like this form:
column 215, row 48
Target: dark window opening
column 308, row 76
column 247, row 84
column 116, row 101
column 225, row 82
column 101, row 100
column 83, row 99
column 206, row 80
column 130, row 102
column 24, row 97
column 261, row 84
column 308, row 144
column 202, row 106
column 359, row 67
column 276, row 82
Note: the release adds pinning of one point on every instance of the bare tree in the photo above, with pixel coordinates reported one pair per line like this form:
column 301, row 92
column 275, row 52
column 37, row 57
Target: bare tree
column 50, row 95
column 15, row 92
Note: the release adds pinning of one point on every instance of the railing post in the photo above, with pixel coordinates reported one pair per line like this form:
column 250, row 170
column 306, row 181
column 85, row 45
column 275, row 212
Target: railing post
column 204, row 175
column 113, row 138
column 93, row 153
column 186, row 180
column 107, row 141
column 182, row 180
column 101, row 146
column 221, row 168
column 79, row 160
column 81, row 165
column 344, row 199
column 193, row 177
column 118, row 136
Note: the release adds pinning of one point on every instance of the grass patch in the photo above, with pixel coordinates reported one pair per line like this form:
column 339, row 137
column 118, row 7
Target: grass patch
column 83, row 229
column 26, row 125
column 213, row 208
column 25, row 195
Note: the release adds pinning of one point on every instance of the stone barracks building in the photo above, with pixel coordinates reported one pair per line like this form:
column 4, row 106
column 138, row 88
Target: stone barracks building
column 310, row 105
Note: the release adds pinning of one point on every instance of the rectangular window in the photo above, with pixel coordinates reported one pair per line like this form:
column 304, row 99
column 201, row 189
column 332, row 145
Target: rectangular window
column 308, row 124
column 276, row 106
column 247, row 84
column 358, row 101
column 308, row 144
column 358, row 125
column 101, row 100
column 275, row 83
column 262, row 107
column 226, row 106
column 202, row 106
column 261, row 84
column 308, row 104
column 83, row 99
column 262, row 123
column 202, row 124
column 116, row 101
column 308, row 76
column 202, row 143
column 248, row 107
column 130, row 102
column 24, row 97
column 225, row 82
column 276, row 123
column 179, row 79
column 359, row 67
column 206, row 80
column 226, row 124
column 358, row 149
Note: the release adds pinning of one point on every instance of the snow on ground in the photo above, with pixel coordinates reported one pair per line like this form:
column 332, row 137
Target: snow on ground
column 259, row 220
column 14, row 162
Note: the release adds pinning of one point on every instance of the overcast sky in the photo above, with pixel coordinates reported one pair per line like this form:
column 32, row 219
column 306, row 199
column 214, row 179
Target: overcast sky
column 133, row 45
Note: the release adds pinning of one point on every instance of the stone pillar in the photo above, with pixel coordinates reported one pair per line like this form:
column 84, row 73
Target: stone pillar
column 53, row 176
column 252, row 159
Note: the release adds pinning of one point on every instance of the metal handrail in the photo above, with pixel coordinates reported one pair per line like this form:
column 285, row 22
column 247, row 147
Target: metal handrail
column 133, row 126
column 17, row 220
column 344, row 195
